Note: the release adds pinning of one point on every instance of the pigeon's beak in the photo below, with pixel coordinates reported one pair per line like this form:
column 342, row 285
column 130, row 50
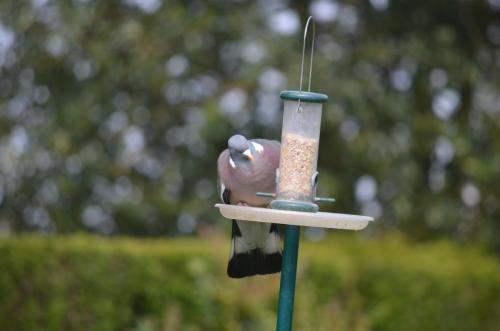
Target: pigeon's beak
column 248, row 154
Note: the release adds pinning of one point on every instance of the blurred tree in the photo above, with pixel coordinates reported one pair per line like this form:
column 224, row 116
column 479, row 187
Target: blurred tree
column 113, row 113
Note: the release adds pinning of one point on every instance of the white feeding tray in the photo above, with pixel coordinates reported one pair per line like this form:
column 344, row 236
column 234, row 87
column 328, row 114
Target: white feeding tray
column 319, row 219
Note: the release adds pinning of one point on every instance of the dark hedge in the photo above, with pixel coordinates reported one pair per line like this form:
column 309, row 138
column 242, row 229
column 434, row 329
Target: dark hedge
column 344, row 283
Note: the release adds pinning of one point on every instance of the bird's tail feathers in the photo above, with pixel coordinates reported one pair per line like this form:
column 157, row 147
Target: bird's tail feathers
column 257, row 261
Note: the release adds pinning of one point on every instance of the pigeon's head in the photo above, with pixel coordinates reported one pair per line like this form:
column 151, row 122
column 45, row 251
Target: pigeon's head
column 240, row 151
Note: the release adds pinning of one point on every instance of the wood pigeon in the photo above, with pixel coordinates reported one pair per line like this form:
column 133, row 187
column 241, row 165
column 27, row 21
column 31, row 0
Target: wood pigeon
column 244, row 168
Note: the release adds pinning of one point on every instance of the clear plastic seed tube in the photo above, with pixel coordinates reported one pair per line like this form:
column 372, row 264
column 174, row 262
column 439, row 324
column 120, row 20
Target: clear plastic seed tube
column 299, row 150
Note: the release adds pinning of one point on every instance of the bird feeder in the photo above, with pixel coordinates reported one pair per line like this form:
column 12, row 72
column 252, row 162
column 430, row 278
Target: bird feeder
column 294, row 203
column 297, row 176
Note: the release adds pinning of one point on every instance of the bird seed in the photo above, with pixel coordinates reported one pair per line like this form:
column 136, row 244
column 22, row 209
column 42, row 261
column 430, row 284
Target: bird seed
column 298, row 163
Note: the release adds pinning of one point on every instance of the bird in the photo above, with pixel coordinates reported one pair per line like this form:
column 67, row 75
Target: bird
column 245, row 168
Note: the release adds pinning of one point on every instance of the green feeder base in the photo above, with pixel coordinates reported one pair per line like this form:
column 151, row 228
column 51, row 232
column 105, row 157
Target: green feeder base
column 294, row 205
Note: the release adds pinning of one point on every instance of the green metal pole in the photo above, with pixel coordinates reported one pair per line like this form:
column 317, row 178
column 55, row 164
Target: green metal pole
column 288, row 276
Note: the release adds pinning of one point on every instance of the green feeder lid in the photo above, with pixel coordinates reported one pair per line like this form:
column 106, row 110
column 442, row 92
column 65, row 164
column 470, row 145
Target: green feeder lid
column 304, row 96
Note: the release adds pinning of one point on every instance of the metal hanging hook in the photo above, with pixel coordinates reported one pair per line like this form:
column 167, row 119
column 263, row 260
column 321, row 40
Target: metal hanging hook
column 310, row 19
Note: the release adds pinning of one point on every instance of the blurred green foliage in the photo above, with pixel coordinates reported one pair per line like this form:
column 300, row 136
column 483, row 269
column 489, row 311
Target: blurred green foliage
column 89, row 283
column 113, row 112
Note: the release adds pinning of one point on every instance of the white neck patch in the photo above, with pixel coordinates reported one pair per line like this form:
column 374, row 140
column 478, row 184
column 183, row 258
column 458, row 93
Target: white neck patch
column 258, row 147
column 231, row 162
